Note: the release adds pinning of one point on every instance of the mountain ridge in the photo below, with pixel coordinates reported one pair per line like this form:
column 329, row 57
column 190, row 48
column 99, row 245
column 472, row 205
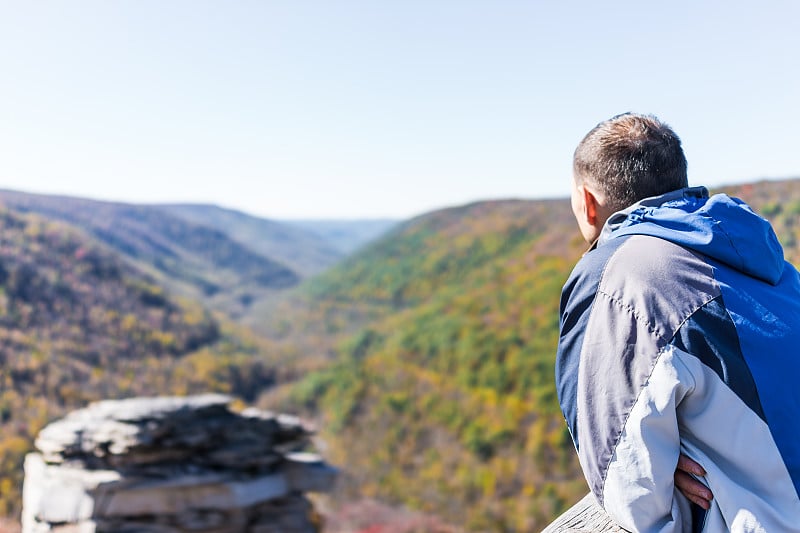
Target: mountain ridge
column 303, row 251
column 426, row 357
column 194, row 260
column 346, row 235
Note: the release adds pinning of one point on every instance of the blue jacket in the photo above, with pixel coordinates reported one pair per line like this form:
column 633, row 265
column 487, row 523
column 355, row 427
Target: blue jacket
column 680, row 332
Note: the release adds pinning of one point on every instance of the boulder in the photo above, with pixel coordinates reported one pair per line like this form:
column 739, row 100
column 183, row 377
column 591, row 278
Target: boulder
column 173, row 464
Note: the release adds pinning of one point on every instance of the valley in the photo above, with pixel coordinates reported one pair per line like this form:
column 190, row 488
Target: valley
column 425, row 356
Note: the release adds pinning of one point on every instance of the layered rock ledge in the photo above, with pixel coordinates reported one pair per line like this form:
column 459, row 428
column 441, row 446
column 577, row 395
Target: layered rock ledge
column 168, row 465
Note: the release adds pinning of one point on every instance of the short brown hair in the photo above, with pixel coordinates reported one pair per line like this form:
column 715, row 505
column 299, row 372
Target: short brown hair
column 630, row 157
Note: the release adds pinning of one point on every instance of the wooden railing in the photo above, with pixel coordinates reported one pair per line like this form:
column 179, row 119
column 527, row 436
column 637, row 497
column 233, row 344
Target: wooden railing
column 586, row 516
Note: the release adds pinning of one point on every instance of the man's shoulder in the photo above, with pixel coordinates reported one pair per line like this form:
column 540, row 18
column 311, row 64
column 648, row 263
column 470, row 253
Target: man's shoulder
column 654, row 280
column 641, row 263
column 588, row 271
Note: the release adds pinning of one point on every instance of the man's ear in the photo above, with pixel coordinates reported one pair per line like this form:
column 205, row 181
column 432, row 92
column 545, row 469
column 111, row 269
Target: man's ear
column 591, row 206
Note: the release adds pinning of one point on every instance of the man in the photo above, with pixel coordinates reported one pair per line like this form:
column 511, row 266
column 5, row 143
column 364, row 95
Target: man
column 680, row 334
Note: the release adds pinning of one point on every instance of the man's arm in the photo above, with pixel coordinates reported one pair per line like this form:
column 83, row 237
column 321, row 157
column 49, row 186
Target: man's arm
column 638, row 488
column 619, row 387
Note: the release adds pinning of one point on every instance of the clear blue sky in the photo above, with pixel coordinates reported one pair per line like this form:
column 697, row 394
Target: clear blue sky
column 375, row 108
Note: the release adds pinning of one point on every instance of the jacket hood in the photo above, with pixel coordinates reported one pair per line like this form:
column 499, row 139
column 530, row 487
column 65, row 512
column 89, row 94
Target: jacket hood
column 720, row 227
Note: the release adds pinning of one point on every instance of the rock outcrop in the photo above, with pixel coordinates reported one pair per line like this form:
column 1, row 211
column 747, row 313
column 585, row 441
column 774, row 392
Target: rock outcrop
column 167, row 465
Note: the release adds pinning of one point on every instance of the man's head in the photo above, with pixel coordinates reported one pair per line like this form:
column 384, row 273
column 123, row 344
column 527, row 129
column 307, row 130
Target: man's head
column 621, row 161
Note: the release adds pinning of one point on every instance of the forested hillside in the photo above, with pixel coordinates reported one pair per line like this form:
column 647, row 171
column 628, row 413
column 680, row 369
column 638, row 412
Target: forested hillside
column 195, row 260
column 427, row 357
column 79, row 323
column 443, row 399
column 439, row 392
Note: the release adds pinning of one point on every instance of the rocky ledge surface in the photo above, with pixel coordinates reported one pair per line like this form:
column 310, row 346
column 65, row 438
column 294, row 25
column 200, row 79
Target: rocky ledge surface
column 168, row 465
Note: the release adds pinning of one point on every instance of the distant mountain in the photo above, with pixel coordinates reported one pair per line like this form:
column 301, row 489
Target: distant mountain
column 436, row 349
column 346, row 236
column 304, row 250
column 196, row 260
column 79, row 322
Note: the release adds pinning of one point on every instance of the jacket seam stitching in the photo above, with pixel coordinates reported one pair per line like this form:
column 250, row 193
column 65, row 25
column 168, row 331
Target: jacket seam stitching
column 639, row 394
column 634, row 313
column 656, row 359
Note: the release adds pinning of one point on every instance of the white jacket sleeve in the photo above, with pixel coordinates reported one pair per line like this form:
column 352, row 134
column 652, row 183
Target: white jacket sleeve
column 639, row 491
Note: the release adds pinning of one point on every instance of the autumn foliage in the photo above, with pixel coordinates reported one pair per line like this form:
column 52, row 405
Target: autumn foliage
column 426, row 358
column 78, row 323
